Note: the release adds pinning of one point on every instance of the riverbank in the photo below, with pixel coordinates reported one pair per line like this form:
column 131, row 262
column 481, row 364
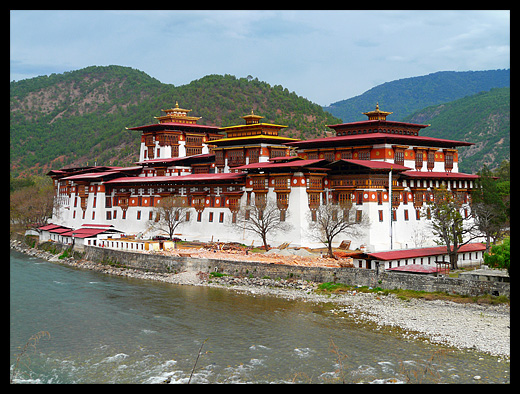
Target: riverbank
column 484, row 328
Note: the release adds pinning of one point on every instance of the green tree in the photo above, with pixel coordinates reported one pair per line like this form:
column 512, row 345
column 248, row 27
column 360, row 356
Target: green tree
column 488, row 207
column 499, row 256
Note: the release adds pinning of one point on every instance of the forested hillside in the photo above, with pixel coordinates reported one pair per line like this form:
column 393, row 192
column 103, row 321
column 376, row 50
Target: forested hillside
column 483, row 119
column 80, row 116
column 405, row 96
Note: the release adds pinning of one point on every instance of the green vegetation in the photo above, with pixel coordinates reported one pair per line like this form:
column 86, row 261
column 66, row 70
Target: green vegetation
column 406, row 295
column 407, row 95
column 214, row 274
column 483, row 118
column 499, row 257
column 79, row 117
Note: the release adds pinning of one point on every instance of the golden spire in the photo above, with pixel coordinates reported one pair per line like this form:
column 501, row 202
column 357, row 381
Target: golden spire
column 177, row 115
column 252, row 118
column 377, row 114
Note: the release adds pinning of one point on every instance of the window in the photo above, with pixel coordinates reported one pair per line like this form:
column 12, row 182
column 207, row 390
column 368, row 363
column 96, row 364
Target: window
column 221, row 217
column 282, row 215
column 418, row 159
column 138, row 215
column 406, row 214
column 448, row 161
column 109, row 215
column 346, row 155
column 273, row 152
column 193, row 150
column 211, row 216
column 364, row 154
column 219, row 157
column 359, row 198
column 359, row 214
column 199, row 216
column 188, row 216
column 380, row 215
column 399, row 157
column 329, row 156
column 254, row 155
column 236, row 157
column 430, row 163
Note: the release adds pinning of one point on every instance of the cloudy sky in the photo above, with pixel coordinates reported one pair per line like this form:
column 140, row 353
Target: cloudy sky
column 325, row 56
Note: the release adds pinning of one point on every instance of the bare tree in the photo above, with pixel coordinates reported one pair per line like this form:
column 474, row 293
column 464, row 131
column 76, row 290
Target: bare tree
column 329, row 220
column 490, row 221
column 263, row 218
column 169, row 214
column 451, row 225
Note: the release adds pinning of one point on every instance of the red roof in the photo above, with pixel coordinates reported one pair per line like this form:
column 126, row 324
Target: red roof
column 175, row 159
column 59, row 230
column 376, row 138
column 286, row 158
column 102, row 174
column 423, row 252
column 87, row 232
column 162, row 126
column 90, row 175
column 443, row 175
column 374, row 164
column 294, row 163
column 48, row 227
column 382, row 122
column 178, row 178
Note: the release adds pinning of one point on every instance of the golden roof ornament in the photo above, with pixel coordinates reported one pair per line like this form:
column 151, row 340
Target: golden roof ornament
column 377, row 114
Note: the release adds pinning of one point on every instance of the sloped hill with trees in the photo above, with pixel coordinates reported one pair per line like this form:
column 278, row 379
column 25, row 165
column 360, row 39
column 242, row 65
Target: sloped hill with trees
column 80, row 116
column 483, row 118
column 407, row 95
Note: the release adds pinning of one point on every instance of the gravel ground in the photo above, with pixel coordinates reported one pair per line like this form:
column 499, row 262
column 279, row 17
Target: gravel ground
column 485, row 328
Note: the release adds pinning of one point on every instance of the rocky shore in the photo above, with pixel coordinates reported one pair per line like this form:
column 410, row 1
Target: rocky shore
column 484, row 328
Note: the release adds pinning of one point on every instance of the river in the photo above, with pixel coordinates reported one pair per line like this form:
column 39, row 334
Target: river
column 109, row 329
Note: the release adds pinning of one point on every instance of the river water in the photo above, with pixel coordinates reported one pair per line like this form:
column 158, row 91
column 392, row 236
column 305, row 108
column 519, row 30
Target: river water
column 109, row 329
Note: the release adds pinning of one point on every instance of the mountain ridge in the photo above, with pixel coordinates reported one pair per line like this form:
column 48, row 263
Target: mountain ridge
column 407, row 95
column 81, row 116
column 482, row 118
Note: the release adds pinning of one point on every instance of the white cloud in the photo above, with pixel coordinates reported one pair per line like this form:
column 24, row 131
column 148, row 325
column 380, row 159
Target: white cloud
column 325, row 56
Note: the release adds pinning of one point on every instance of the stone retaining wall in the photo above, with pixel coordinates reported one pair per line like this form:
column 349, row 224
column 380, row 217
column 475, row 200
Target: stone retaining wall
column 349, row 276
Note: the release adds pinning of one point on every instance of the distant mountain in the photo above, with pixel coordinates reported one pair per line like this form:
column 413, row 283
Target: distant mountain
column 405, row 96
column 483, row 118
column 80, row 116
